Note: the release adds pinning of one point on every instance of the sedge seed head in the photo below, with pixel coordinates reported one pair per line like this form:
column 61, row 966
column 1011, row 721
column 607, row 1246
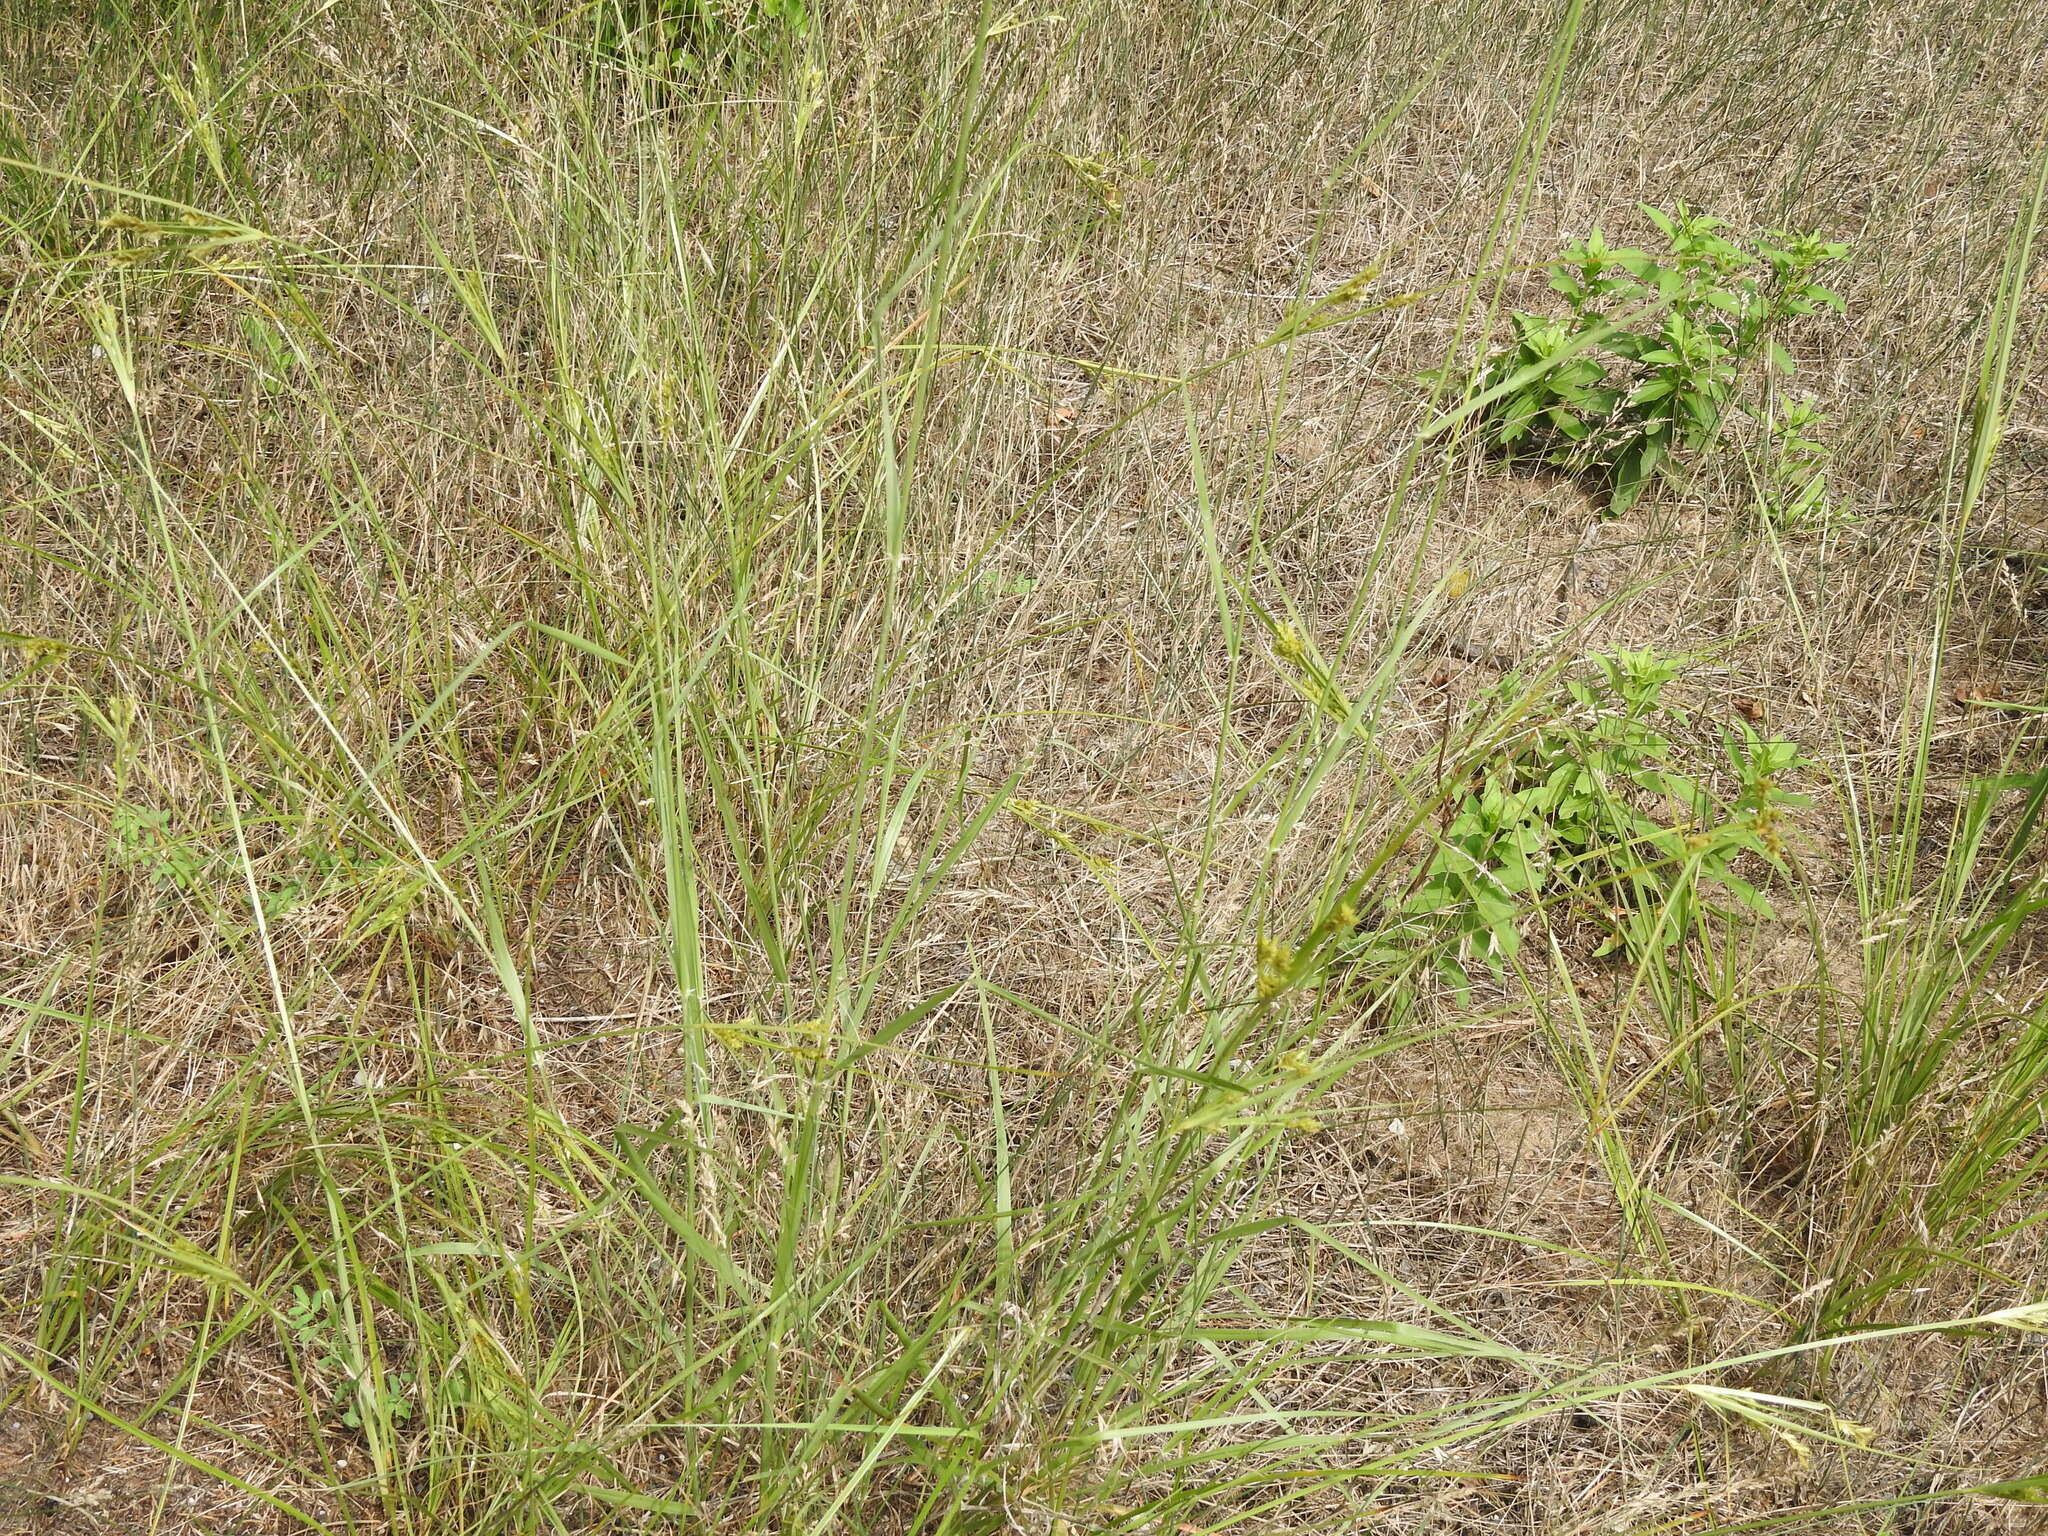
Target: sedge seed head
column 1276, row 963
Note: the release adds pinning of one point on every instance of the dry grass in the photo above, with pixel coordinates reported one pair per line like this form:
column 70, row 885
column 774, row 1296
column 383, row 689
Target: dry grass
column 649, row 728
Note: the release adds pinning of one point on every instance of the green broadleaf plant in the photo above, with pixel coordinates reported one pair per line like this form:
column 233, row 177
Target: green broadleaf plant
column 1592, row 806
column 1598, row 392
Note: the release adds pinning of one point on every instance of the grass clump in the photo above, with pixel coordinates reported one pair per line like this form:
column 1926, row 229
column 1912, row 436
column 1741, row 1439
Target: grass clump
column 738, row 776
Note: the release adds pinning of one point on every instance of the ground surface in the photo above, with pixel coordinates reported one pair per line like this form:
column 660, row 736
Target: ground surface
column 653, row 714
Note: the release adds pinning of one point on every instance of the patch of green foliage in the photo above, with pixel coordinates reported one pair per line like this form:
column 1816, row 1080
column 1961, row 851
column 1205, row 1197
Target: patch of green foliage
column 328, row 1346
column 1592, row 805
column 679, row 39
column 1603, row 392
column 144, row 839
column 1792, row 486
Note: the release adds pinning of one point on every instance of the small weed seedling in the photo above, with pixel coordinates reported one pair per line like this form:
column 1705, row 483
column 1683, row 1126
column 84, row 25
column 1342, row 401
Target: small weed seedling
column 144, row 839
column 1594, row 394
column 1793, row 488
column 316, row 1324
